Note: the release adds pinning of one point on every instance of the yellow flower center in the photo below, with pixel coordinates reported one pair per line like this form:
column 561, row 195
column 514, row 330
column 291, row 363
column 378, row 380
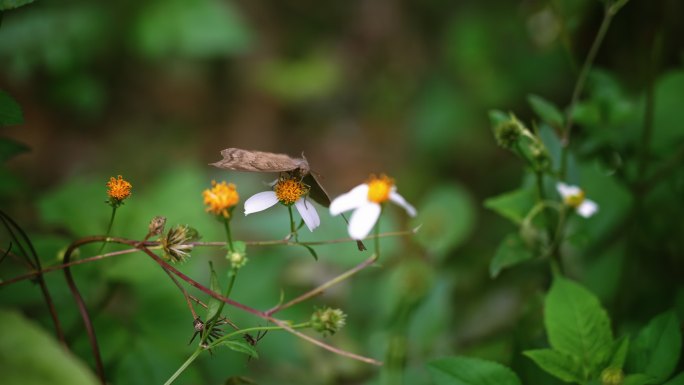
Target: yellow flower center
column 379, row 188
column 288, row 191
column 220, row 198
column 118, row 188
column 574, row 200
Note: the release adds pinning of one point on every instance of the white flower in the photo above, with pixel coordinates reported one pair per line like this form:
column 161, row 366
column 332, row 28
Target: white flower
column 573, row 196
column 288, row 192
column 365, row 200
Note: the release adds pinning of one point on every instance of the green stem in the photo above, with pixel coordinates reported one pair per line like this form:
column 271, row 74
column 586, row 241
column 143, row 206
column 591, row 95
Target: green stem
column 229, row 237
column 255, row 329
column 109, row 230
column 184, row 366
column 293, row 229
column 579, row 85
column 210, row 323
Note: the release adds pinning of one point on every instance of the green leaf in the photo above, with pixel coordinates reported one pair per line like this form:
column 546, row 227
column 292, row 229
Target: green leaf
column 470, row 371
column 214, row 304
column 561, row 365
column 311, row 251
column 9, row 148
column 446, row 217
column 577, row 324
column 513, row 205
column 240, row 247
column 676, row 380
column 638, row 379
column 12, row 4
column 240, row 346
column 546, row 110
column 30, row 356
column 511, row 252
column 10, row 111
column 497, row 117
column 656, row 349
column 620, row 353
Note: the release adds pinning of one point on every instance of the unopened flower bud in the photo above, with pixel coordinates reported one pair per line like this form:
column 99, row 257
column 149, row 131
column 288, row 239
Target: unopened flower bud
column 328, row 320
column 508, row 132
column 237, row 259
column 612, row 376
column 540, row 156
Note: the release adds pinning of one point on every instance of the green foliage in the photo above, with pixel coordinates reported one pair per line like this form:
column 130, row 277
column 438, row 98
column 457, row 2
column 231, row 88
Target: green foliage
column 10, row 111
column 547, row 111
column 446, row 219
column 30, row 356
column 10, row 148
column 240, row 346
column 470, row 371
column 313, row 76
column 214, row 305
column 511, row 252
column 562, row 365
column 655, row 351
column 513, row 205
column 12, row 4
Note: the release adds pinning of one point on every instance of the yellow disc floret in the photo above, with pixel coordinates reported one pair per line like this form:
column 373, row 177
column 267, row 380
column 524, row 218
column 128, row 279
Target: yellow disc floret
column 574, row 200
column 118, row 189
column 379, row 188
column 289, row 190
column 220, row 198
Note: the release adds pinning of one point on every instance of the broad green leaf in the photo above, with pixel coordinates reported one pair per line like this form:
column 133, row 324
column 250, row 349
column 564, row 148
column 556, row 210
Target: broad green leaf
column 446, row 217
column 577, row 324
column 676, row 380
column 547, row 111
column 30, row 356
column 240, row 346
column 656, row 349
column 12, row 4
column 470, row 371
column 10, row 111
column 9, row 148
column 214, row 304
column 513, row 205
column 511, row 252
column 561, row 365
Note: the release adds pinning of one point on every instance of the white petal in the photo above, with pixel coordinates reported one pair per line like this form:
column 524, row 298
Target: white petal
column 398, row 199
column 260, row 202
column 566, row 190
column 351, row 200
column 308, row 212
column 587, row 208
column 363, row 219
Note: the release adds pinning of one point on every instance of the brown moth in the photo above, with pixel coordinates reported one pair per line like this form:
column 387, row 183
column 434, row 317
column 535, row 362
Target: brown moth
column 238, row 159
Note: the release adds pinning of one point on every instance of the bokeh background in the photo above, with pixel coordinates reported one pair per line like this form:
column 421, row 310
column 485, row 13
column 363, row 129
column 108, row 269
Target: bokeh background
column 154, row 90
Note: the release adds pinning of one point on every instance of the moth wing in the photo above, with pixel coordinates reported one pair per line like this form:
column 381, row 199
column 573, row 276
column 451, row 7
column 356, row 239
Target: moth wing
column 258, row 161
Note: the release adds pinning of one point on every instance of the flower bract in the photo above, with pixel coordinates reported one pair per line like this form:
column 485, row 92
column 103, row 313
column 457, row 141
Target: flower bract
column 366, row 200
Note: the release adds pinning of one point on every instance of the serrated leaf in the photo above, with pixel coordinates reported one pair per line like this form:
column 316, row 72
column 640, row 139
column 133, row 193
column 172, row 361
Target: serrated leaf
column 511, row 252
column 656, row 349
column 676, row 380
column 10, row 111
column 470, row 371
column 30, row 356
column 240, row 346
column 214, row 304
column 560, row 365
column 577, row 324
column 546, row 110
column 9, row 148
column 513, row 205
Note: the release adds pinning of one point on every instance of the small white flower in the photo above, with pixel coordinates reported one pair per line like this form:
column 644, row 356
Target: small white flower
column 287, row 191
column 365, row 200
column 573, row 196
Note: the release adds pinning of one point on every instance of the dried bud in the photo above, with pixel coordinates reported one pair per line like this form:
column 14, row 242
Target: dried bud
column 157, row 226
column 328, row 320
column 612, row 376
column 176, row 243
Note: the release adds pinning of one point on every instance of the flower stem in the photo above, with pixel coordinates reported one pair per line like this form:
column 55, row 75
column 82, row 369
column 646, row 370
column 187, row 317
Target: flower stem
column 229, row 237
column 255, row 329
column 293, row 229
column 109, row 229
column 184, row 366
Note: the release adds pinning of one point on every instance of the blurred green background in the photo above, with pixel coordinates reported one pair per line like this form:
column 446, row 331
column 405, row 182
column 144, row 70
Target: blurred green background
column 154, row 90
